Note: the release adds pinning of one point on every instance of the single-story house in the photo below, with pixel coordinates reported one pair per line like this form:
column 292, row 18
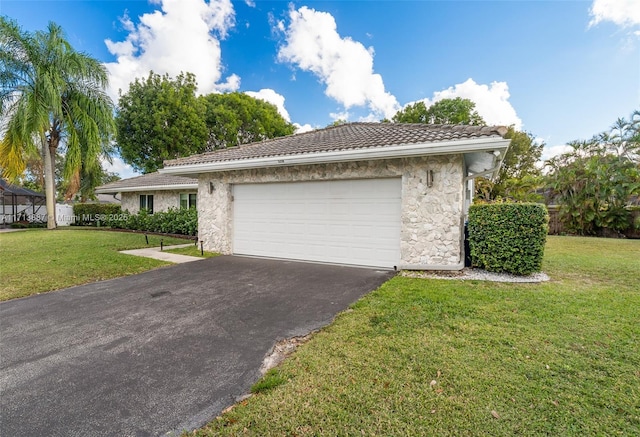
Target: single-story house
column 153, row 192
column 385, row 195
column 108, row 199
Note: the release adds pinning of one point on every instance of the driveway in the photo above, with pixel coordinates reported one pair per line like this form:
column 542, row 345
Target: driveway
column 162, row 351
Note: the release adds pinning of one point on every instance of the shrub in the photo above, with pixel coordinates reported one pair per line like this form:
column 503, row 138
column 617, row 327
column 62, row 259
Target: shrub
column 508, row 237
column 89, row 214
column 173, row 221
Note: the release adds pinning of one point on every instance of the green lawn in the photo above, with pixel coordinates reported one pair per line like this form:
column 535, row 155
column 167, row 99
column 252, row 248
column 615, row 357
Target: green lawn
column 36, row 261
column 454, row 358
column 192, row 251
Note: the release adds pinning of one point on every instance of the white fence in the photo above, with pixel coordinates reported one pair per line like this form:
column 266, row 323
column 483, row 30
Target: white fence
column 64, row 214
column 38, row 214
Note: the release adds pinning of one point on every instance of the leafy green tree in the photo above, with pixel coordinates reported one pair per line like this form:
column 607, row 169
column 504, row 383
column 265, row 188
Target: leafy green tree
column 596, row 180
column 51, row 96
column 237, row 118
column 33, row 178
column 160, row 118
column 519, row 177
column 445, row 111
column 86, row 186
column 342, row 121
column 33, row 175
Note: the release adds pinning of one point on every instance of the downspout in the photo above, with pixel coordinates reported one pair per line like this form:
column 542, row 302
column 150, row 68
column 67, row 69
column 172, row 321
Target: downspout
column 460, row 265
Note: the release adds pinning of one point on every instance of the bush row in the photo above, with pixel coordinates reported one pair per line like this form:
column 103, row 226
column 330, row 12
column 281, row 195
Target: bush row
column 89, row 214
column 174, row 221
column 508, row 237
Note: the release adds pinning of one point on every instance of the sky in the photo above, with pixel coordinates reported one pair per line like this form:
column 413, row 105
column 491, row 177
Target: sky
column 561, row 70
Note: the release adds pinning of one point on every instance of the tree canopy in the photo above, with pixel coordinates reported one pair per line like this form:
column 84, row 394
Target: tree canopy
column 597, row 179
column 445, row 111
column 51, row 96
column 519, row 176
column 160, row 118
column 237, row 118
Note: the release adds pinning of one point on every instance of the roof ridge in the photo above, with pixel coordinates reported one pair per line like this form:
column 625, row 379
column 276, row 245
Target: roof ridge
column 344, row 136
column 156, row 179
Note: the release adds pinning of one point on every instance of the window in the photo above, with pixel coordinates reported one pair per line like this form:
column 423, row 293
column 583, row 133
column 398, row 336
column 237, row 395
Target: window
column 146, row 202
column 187, row 200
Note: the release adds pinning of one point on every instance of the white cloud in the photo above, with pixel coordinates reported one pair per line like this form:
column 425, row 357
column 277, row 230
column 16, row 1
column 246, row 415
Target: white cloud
column 273, row 97
column 492, row 101
column 624, row 13
column 117, row 165
column 370, row 118
column 269, row 95
column 232, row 83
column 345, row 66
column 182, row 36
column 302, row 128
column 339, row 116
column 550, row 151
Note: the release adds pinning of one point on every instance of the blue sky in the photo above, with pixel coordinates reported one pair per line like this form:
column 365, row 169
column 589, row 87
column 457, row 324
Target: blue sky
column 561, row 70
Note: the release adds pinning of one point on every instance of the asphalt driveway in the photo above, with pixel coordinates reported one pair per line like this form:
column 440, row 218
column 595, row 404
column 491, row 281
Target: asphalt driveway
column 158, row 352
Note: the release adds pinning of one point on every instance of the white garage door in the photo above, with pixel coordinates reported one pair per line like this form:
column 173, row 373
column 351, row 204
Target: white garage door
column 346, row 222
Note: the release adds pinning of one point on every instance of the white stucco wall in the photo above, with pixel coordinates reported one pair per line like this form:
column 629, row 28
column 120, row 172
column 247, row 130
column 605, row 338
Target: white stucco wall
column 162, row 200
column 431, row 216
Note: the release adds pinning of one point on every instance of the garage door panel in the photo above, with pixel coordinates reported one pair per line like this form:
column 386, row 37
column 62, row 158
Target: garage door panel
column 350, row 222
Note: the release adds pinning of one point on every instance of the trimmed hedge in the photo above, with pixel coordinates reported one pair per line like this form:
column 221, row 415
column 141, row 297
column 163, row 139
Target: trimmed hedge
column 89, row 214
column 174, row 221
column 508, row 237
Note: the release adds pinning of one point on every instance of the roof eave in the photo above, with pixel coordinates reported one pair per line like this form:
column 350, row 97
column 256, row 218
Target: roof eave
column 146, row 188
column 387, row 152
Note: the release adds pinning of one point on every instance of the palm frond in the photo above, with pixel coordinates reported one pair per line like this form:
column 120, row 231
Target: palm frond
column 52, row 92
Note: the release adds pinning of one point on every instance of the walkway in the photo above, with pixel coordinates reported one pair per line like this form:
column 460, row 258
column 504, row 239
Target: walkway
column 156, row 253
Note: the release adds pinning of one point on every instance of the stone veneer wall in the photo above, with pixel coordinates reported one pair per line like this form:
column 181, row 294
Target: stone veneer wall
column 162, row 200
column 431, row 217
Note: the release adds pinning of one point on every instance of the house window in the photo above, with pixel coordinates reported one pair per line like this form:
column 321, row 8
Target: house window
column 146, row 202
column 187, row 200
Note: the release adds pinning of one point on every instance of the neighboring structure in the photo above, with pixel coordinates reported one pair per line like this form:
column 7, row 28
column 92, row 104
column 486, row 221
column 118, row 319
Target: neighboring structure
column 107, row 199
column 21, row 204
column 372, row 194
column 153, row 192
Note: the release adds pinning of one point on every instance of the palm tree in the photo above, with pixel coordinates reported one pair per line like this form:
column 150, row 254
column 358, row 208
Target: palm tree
column 51, row 96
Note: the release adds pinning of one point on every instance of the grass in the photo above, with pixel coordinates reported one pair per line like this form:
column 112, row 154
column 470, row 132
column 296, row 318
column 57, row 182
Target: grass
column 272, row 379
column 454, row 358
column 192, row 251
column 37, row 261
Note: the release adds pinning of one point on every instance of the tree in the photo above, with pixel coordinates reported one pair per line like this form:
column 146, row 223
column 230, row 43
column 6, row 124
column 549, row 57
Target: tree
column 519, row 176
column 597, row 179
column 51, row 96
column 160, row 118
column 342, row 121
column 445, row 111
column 237, row 118
column 88, row 183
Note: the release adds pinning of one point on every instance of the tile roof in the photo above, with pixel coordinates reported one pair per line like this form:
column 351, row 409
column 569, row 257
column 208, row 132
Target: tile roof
column 146, row 181
column 344, row 137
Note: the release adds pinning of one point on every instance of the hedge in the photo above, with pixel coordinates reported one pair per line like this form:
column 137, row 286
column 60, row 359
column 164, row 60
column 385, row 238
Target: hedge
column 174, row 221
column 508, row 237
column 90, row 214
